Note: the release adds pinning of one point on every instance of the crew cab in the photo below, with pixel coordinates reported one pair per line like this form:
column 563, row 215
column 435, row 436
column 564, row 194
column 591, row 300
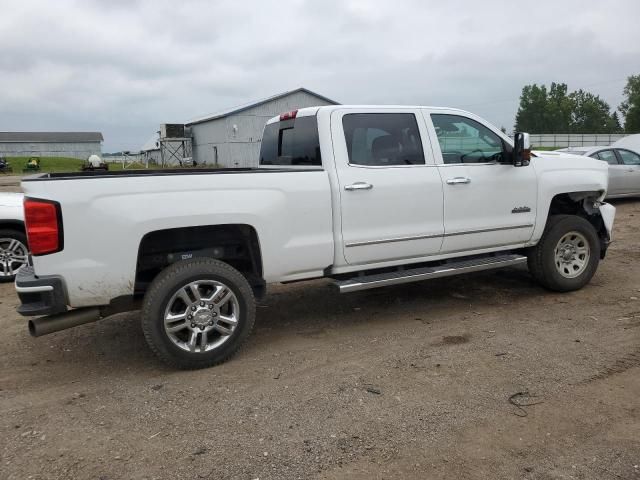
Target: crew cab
column 367, row 196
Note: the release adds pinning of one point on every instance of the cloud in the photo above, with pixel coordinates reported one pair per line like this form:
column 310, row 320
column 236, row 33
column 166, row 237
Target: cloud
column 123, row 67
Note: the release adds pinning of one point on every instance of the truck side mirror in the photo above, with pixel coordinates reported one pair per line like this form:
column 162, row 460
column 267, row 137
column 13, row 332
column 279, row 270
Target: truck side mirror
column 521, row 149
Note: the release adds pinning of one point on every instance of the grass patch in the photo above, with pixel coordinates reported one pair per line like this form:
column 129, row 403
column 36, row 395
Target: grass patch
column 47, row 164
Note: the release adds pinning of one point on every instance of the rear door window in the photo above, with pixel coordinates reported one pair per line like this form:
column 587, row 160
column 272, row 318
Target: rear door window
column 292, row 142
column 628, row 157
column 383, row 139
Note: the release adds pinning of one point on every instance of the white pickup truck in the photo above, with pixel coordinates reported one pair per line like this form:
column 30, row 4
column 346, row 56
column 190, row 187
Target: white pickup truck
column 367, row 196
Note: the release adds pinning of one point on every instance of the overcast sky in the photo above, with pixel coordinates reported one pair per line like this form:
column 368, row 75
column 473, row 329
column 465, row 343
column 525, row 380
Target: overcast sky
column 122, row 67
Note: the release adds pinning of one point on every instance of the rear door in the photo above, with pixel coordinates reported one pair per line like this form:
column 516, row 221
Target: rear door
column 390, row 190
column 488, row 203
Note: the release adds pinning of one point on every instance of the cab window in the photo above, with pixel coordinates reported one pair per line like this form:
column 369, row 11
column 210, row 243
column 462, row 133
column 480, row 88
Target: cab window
column 292, row 142
column 463, row 140
column 383, row 139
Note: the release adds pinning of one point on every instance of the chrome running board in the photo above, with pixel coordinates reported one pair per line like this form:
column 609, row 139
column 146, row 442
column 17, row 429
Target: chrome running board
column 364, row 282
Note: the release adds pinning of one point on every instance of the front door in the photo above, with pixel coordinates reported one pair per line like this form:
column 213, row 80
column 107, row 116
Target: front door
column 631, row 175
column 488, row 203
column 390, row 189
column 617, row 171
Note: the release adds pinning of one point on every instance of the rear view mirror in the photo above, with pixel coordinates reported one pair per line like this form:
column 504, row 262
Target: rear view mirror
column 521, row 149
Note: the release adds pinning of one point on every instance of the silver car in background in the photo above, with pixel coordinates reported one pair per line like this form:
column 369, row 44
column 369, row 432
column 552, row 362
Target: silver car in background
column 624, row 168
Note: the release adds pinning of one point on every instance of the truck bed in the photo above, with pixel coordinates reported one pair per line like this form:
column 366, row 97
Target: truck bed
column 104, row 222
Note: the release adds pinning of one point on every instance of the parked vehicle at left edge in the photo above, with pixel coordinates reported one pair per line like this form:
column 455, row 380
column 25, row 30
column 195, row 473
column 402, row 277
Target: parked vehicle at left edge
column 624, row 168
column 5, row 166
column 13, row 240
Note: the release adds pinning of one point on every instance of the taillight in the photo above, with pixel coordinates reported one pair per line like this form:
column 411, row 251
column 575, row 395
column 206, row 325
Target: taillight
column 43, row 222
column 288, row 115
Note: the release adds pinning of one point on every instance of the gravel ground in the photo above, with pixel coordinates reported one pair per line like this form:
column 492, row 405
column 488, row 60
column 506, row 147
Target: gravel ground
column 404, row 382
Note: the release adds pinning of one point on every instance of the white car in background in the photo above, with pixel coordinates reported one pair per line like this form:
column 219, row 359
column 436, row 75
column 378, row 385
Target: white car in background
column 13, row 240
column 624, row 168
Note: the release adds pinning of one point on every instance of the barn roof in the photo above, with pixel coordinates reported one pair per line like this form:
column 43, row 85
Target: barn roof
column 51, row 137
column 246, row 106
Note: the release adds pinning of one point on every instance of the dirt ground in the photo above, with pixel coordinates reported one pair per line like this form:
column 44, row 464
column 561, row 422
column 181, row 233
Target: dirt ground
column 404, row 382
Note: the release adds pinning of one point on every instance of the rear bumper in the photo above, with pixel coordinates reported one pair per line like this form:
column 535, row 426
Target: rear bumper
column 44, row 295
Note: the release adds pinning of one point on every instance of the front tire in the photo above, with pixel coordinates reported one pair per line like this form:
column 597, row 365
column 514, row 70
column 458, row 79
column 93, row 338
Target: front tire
column 567, row 255
column 198, row 313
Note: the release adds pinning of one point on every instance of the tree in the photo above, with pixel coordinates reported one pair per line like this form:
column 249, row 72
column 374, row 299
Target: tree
column 531, row 116
column 557, row 111
column 590, row 114
column 544, row 111
column 615, row 123
column 630, row 107
column 560, row 108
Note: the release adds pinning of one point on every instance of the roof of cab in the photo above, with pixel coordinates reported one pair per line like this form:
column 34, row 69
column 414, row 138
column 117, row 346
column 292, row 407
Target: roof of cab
column 303, row 112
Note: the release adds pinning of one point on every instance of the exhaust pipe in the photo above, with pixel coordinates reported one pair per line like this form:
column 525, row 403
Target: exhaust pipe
column 61, row 321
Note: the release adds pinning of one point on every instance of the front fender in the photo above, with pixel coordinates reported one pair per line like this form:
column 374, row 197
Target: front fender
column 575, row 176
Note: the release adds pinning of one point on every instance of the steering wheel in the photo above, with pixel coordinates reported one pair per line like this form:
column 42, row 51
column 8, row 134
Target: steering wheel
column 496, row 156
column 471, row 153
column 450, row 153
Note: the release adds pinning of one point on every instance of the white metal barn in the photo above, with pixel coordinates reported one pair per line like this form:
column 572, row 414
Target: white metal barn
column 51, row 144
column 231, row 138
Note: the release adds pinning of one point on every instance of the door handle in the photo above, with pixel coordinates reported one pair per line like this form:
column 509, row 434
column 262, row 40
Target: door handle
column 458, row 180
column 358, row 186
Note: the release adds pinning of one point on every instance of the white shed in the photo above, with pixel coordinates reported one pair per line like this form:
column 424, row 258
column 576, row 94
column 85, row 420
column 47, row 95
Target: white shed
column 231, row 138
column 51, row 144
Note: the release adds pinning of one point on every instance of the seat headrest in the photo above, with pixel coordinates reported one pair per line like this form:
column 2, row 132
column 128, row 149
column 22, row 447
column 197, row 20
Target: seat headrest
column 385, row 147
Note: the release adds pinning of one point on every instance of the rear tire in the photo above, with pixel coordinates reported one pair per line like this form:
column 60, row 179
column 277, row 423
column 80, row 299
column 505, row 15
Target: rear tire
column 567, row 255
column 198, row 313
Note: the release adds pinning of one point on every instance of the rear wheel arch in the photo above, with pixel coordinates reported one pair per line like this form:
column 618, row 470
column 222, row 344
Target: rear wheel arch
column 235, row 244
column 17, row 225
